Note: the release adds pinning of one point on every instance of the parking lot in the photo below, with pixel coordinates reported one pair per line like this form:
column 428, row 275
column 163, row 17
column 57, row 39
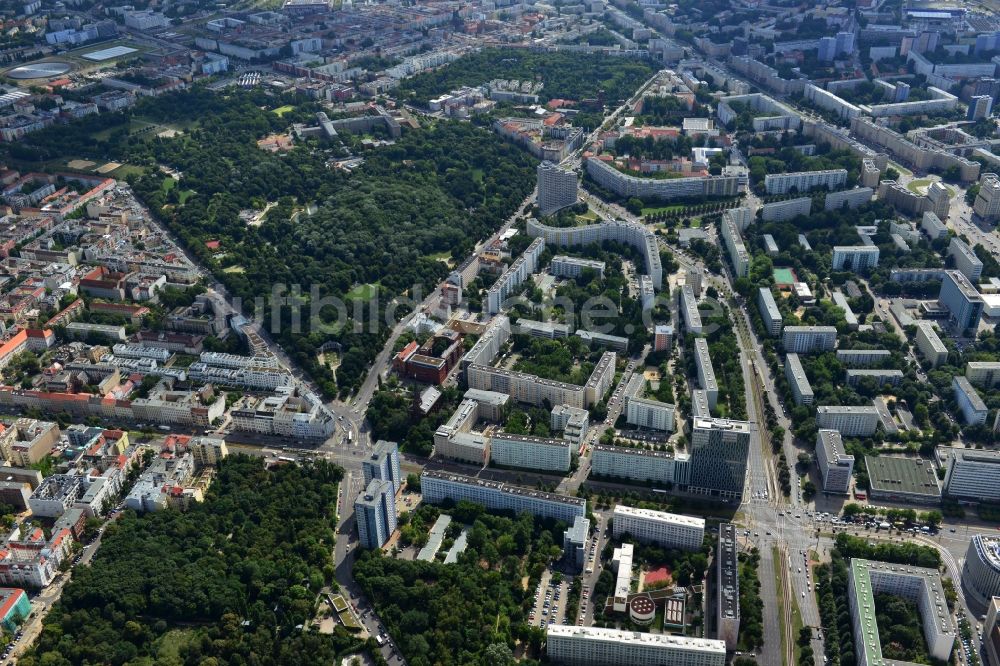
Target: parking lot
column 550, row 602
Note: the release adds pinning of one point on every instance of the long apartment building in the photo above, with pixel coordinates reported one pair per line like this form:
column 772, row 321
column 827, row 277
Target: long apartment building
column 929, row 344
column 805, row 181
column 593, row 646
column 626, row 185
column 769, row 311
column 983, row 373
column 657, row 467
column 438, row 486
column 490, row 342
column 802, row 391
column 534, row 390
column 455, row 439
column 516, row 273
column 706, row 373
column 769, row 113
column 651, row 414
column 969, row 403
column 738, row 255
column 528, row 452
column 849, row 421
column 727, row 579
column 916, row 584
column 965, row 258
column 808, row 339
column 971, row 475
column 627, row 233
column 854, row 257
column 669, row 530
column 836, row 466
column 862, row 358
column 689, row 310
column 572, row 267
column 907, row 151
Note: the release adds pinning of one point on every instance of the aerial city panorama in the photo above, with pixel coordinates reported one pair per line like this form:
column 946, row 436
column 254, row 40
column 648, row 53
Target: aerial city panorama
column 499, row 332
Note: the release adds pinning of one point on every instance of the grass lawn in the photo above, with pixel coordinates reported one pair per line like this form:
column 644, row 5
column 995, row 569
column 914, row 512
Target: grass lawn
column 282, row 110
column 779, row 586
column 126, row 170
column 920, row 185
column 653, row 210
column 363, row 292
column 169, row 645
column 900, row 168
column 589, row 216
column 234, row 269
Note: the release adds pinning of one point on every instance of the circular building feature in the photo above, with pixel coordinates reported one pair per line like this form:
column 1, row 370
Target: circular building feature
column 981, row 573
column 642, row 609
column 39, row 70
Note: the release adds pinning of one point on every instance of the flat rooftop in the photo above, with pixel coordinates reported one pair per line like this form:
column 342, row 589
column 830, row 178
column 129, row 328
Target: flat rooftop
column 502, row 487
column 896, row 474
column 660, row 516
column 637, row 638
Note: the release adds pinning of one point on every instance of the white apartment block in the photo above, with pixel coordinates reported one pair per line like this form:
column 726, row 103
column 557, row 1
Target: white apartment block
column 528, row 452
column 808, row 339
column 971, row 405
column 706, row 373
column 250, row 378
column 770, row 114
column 916, row 584
column 516, row 273
column 801, row 389
column 669, row 530
column 983, row 373
column 621, row 563
column 636, row 235
column 827, row 100
column 727, row 563
column 285, row 414
column 651, row 414
column 769, row 311
column 929, row 344
column 862, row 358
column 981, row 572
column 849, row 421
column 734, row 244
column 490, row 343
column 835, row 466
column 987, row 204
column 437, row 486
column 573, row 422
column 780, row 211
column 534, row 390
column 573, row 267
column 659, row 467
column 557, row 188
column 689, row 310
column 932, row 225
column 972, row 475
column 627, row 185
column 804, row 181
column 593, row 646
column 854, row 257
column 965, row 258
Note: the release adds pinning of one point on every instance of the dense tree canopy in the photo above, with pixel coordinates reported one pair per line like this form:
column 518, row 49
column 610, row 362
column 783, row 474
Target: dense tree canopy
column 572, row 76
column 258, row 550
